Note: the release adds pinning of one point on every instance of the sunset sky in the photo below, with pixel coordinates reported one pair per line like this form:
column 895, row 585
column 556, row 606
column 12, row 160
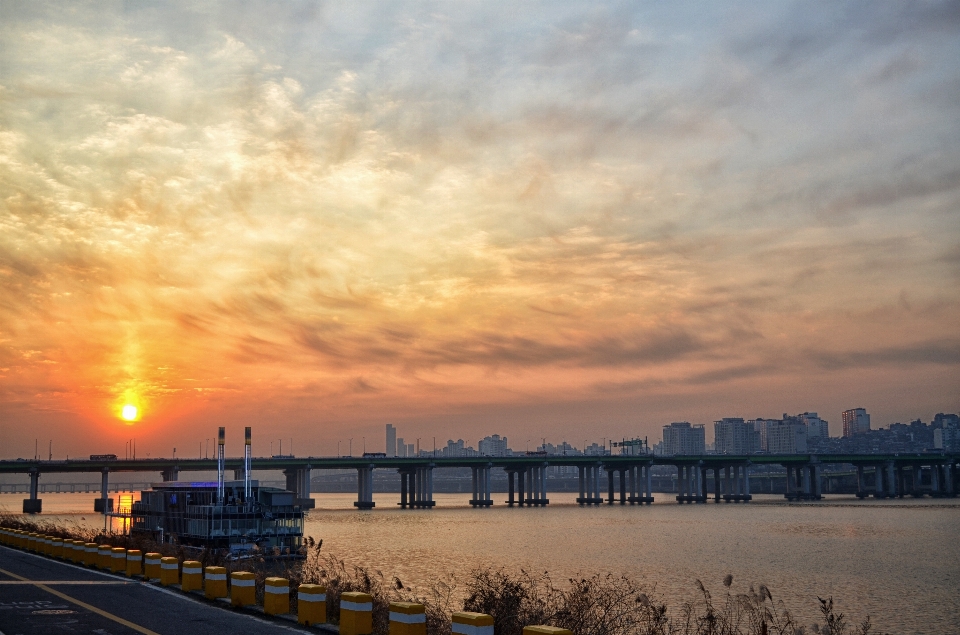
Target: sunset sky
column 560, row 220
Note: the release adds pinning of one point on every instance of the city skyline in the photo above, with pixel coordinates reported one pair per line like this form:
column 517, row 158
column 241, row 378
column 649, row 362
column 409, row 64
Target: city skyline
column 314, row 220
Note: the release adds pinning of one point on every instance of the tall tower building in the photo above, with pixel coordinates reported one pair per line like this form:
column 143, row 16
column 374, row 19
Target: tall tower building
column 391, row 440
column 733, row 435
column 682, row 438
column 855, row 421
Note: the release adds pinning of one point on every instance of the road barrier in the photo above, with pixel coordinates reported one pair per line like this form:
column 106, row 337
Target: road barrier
column 215, row 582
column 192, row 577
column 169, row 571
column 407, row 618
column 104, row 557
column 276, row 596
column 90, row 554
column 356, row 613
column 134, row 563
column 467, row 623
column 151, row 566
column 243, row 588
column 118, row 559
column 312, row 604
column 545, row 630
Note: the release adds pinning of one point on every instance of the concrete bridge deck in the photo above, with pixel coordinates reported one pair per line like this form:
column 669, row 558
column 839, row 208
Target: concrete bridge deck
column 628, row 477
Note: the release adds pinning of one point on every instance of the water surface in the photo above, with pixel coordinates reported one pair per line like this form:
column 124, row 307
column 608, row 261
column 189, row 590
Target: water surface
column 896, row 561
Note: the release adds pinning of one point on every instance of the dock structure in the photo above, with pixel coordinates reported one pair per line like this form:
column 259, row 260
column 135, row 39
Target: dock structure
column 628, row 477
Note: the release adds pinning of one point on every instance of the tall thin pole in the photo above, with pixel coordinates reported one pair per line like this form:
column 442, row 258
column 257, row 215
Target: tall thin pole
column 247, row 493
column 220, row 465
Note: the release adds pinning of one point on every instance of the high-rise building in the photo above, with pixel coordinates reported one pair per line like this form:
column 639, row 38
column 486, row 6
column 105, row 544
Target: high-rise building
column 401, row 448
column 817, row 428
column 391, row 440
column 492, row 446
column 788, row 436
column 733, row 435
column 682, row 438
column 855, row 421
column 761, row 426
column 946, row 438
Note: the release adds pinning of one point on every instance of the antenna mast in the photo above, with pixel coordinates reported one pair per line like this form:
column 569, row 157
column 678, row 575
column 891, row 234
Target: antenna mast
column 247, row 493
column 220, row 466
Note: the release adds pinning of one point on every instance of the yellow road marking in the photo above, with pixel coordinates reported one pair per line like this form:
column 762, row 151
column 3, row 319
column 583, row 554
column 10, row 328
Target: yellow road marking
column 89, row 607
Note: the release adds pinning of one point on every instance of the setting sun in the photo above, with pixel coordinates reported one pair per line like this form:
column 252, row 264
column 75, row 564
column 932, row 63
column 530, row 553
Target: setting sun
column 129, row 412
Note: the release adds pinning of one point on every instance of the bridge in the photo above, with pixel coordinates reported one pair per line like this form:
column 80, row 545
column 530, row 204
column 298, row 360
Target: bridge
column 628, row 477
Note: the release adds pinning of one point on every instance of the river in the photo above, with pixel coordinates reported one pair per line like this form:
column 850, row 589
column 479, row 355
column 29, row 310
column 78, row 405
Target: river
column 897, row 561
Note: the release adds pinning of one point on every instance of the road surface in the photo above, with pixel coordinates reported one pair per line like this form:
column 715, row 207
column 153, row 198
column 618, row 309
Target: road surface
column 40, row 596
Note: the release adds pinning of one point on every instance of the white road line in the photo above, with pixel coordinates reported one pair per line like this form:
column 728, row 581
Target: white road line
column 72, row 582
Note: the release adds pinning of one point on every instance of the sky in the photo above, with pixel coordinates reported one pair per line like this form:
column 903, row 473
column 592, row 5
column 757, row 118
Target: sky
column 561, row 221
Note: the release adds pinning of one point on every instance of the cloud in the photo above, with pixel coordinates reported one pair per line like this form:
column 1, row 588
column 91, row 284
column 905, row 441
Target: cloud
column 939, row 352
column 378, row 204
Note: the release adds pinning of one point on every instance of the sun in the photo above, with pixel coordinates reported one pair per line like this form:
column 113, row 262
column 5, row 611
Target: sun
column 129, row 412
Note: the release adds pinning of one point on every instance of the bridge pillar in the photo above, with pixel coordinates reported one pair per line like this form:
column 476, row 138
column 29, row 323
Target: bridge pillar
column 878, row 481
column 543, row 485
column 817, row 483
column 364, row 488
column 405, row 475
column 423, row 487
column 590, row 477
column 623, row 486
column 610, row 476
column 33, row 505
column 298, row 482
column 481, row 487
column 935, row 480
column 948, row 479
column 747, row 496
column 104, row 504
column 861, row 487
column 647, row 483
column 893, row 492
column 511, row 482
column 595, row 480
column 582, row 479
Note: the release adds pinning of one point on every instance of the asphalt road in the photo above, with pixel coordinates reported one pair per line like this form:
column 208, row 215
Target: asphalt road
column 40, row 596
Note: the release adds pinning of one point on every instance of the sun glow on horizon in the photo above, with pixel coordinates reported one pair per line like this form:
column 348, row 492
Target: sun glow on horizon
column 129, row 413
